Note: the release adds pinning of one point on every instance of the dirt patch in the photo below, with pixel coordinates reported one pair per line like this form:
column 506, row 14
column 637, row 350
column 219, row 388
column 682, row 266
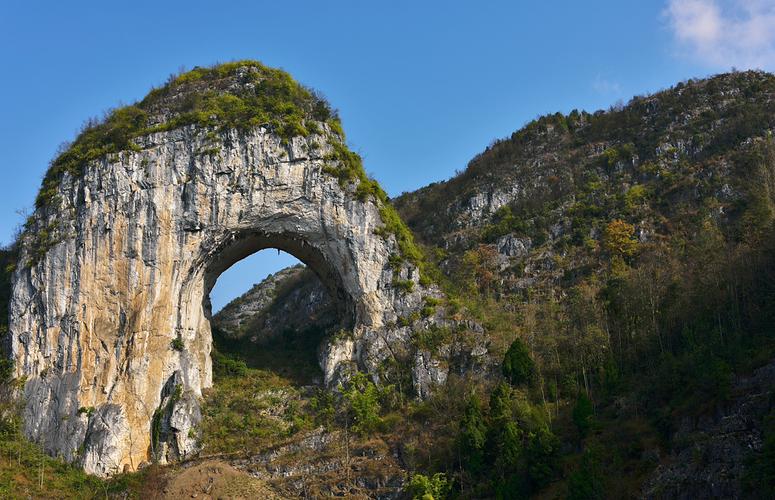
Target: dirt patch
column 216, row 480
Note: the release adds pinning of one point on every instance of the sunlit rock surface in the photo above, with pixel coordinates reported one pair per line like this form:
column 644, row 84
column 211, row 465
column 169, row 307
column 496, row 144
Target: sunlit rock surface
column 110, row 325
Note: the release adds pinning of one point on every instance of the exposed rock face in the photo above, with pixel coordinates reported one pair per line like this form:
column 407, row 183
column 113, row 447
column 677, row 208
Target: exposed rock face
column 110, row 324
column 712, row 451
column 512, row 246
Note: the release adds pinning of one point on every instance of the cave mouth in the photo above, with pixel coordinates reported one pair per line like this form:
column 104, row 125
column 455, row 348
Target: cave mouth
column 276, row 311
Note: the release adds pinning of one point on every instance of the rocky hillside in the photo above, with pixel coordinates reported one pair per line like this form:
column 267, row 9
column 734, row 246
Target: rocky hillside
column 558, row 160
column 291, row 299
column 634, row 248
column 628, row 249
column 163, row 195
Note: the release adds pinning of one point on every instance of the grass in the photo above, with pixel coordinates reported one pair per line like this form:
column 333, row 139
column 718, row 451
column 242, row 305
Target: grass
column 259, row 397
column 250, row 409
column 27, row 472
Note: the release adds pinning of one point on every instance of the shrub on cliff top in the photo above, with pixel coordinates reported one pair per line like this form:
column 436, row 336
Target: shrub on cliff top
column 203, row 96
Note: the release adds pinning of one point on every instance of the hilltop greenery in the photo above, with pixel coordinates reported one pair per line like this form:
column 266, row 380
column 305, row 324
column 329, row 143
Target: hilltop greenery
column 236, row 95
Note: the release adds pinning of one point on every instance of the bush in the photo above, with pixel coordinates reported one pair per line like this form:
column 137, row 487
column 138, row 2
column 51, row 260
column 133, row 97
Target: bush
column 177, row 344
column 436, row 487
column 226, row 366
column 363, row 398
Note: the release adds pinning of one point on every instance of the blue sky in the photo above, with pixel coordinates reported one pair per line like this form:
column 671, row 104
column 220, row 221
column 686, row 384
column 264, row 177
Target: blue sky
column 421, row 86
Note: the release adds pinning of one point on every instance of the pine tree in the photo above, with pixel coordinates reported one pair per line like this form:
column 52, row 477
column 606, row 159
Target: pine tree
column 518, row 366
column 473, row 436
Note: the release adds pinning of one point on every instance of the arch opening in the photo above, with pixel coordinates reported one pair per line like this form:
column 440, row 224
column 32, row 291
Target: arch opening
column 279, row 325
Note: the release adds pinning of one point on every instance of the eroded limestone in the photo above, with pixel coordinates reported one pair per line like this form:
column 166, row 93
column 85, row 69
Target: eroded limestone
column 115, row 309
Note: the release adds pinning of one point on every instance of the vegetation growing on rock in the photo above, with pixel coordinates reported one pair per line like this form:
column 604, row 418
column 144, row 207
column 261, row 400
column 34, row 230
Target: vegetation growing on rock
column 236, row 95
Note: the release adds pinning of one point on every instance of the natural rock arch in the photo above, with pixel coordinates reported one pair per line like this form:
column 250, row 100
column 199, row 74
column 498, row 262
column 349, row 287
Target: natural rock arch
column 108, row 318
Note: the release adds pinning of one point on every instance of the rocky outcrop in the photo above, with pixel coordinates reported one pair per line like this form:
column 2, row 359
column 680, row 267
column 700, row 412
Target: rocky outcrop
column 109, row 316
column 325, row 464
column 711, row 452
column 291, row 299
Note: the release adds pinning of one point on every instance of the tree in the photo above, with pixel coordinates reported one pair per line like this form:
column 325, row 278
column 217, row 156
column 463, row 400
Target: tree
column 518, row 366
column 436, row 487
column 582, row 414
column 504, row 437
column 618, row 239
column 363, row 399
column 542, row 456
column 473, row 436
column 586, row 482
column 500, row 403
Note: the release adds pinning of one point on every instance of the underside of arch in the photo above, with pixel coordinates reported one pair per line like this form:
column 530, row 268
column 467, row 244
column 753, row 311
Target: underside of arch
column 246, row 243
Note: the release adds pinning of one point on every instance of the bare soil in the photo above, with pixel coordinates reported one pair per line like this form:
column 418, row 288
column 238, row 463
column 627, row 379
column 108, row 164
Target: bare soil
column 215, row 479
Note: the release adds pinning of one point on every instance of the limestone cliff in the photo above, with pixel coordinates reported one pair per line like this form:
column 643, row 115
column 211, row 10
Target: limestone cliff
column 109, row 319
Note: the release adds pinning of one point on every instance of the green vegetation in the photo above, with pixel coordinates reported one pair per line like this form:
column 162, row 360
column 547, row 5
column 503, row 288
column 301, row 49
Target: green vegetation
column 405, row 286
column 41, row 240
column 509, row 452
column 647, row 291
column 582, row 414
column 363, row 398
column 27, row 472
column 436, row 487
column 518, row 366
column 177, row 344
column 586, row 483
column 347, row 167
column 249, row 410
column 292, row 355
column 266, row 96
column 648, row 288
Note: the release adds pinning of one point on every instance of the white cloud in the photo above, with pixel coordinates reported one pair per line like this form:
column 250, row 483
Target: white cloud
column 606, row 87
column 725, row 33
